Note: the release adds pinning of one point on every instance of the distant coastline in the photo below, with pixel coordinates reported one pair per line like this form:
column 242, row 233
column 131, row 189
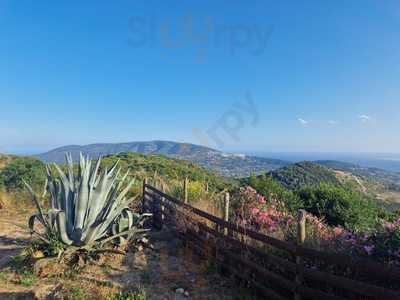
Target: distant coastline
column 390, row 162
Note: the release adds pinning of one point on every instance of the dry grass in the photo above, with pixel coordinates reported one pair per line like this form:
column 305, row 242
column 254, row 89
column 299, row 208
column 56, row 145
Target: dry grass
column 160, row 271
column 5, row 199
column 210, row 205
column 14, row 201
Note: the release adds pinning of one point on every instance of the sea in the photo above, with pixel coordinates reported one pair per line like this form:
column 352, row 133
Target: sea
column 386, row 161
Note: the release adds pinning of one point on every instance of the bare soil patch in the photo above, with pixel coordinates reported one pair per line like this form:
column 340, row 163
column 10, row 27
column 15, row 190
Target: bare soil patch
column 167, row 270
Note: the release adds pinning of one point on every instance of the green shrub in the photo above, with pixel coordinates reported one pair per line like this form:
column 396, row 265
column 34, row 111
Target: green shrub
column 23, row 168
column 4, row 276
column 340, row 206
column 77, row 293
column 136, row 295
column 27, row 278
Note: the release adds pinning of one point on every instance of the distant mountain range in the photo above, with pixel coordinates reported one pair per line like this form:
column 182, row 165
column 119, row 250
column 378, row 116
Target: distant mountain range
column 235, row 165
column 226, row 164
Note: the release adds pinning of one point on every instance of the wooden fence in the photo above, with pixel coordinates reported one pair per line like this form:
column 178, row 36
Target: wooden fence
column 275, row 268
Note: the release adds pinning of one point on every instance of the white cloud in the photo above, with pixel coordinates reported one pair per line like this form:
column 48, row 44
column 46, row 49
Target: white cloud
column 365, row 118
column 302, row 121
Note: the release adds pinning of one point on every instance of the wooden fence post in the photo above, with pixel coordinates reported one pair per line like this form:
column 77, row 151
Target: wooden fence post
column 226, row 211
column 185, row 190
column 144, row 196
column 162, row 206
column 301, row 236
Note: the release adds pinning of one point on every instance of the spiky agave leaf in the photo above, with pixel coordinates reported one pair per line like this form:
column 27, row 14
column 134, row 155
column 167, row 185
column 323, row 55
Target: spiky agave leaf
column 40, row 214
column 62, row 228
column 85, row 207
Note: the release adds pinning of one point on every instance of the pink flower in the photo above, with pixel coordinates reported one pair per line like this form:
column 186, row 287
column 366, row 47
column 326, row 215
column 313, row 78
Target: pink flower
column 390, row 226
column 255, row 211
column 369, row 249
column 365, row 237
column 338, row 231
column 261, row 200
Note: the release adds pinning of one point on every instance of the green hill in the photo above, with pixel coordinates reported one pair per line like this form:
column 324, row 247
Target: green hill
column 170, row 169
column 226, row 164
column 304, row 174
column 140, row 166
column 317, row 189
column 380, row 184
column 390, row 179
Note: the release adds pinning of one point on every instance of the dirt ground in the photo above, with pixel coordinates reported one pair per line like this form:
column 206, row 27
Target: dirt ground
column 167, row 271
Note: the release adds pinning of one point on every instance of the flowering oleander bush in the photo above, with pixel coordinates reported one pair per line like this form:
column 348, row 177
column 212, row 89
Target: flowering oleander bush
column 269, row 215
column 262, row 213
column 382, row 244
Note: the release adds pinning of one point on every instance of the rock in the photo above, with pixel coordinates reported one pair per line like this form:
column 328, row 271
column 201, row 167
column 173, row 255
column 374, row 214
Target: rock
column 186, row 294
column 180, row 291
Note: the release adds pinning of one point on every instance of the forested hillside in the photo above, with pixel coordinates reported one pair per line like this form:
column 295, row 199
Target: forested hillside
column 226, row 164
column 390, row 179
column 304, row 174
column 141, row 166
column 32, row 170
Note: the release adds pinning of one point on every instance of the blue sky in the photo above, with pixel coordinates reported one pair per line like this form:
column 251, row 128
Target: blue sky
column 262, row 75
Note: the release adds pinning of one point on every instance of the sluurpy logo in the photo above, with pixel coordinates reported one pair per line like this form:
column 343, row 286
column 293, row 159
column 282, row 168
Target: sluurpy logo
column 198, row 34
column 227, row 128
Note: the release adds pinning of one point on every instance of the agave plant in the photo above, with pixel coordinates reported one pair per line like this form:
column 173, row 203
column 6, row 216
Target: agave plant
column 87, row 209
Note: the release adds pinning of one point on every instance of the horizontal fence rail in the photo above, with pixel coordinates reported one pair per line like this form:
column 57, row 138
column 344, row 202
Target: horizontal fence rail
column 276, row 276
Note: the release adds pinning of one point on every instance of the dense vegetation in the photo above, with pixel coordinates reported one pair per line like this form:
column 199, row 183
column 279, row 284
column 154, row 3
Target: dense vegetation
column 226, row 164
column 338, row 204
column 22, row 168
column 390, row 179
column 6, row 159
column 165, row 169
column 168, row 169
column 269, row 187
column 304, row 174
column 304, row 185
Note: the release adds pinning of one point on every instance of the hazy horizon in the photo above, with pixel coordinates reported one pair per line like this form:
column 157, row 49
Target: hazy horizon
column 256, row 150
column 388, row 161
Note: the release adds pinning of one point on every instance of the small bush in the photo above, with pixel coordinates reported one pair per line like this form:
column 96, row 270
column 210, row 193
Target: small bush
column 77, row 293
column 4, row 276
column 23, row 168
column 136, row 295
column 340, row 207
column 27, row 279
